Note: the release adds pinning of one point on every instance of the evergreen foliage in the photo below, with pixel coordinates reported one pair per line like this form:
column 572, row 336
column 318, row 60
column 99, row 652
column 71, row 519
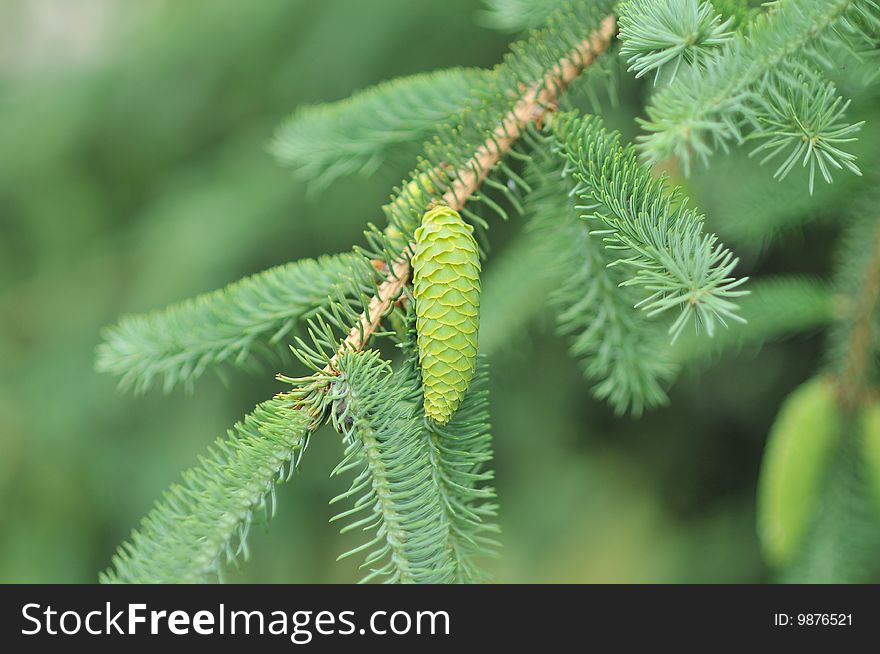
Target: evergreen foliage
column 176, row 345
column 617, row 342
column 454, row 143
column 655, row 33
column 660, row 238
column 633, row 277
column 806, row 126
column 205, row 519
column 784, row 48
column 460, row 452
column 394, row 491
column 357, row 135
column 420, row 488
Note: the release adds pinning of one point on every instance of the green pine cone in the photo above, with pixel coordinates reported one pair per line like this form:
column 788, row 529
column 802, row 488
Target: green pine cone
column 446, row 286
column 798, row 453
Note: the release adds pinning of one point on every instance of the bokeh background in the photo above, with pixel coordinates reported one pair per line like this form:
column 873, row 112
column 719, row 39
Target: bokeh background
column 134, row 173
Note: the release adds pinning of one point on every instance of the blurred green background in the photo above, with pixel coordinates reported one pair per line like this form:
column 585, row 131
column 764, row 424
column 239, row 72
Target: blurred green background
column 134, row 173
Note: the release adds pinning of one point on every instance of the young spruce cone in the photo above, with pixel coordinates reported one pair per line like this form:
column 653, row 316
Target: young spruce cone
column 446, row 286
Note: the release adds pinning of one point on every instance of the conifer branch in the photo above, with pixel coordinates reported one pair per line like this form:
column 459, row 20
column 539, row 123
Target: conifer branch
column 620, row 346
column 535, row 102
column 657, row 236
column 177, row 344
column 394, row 489
column 863, row 305
column 420, row 491
column 204, row 519
column 358, row 134
column 656, row 33
column 460, row 452
column 709, row 106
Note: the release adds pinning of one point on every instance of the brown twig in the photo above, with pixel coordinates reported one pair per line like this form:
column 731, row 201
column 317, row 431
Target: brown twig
column 853, row 382
column 536, row 101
